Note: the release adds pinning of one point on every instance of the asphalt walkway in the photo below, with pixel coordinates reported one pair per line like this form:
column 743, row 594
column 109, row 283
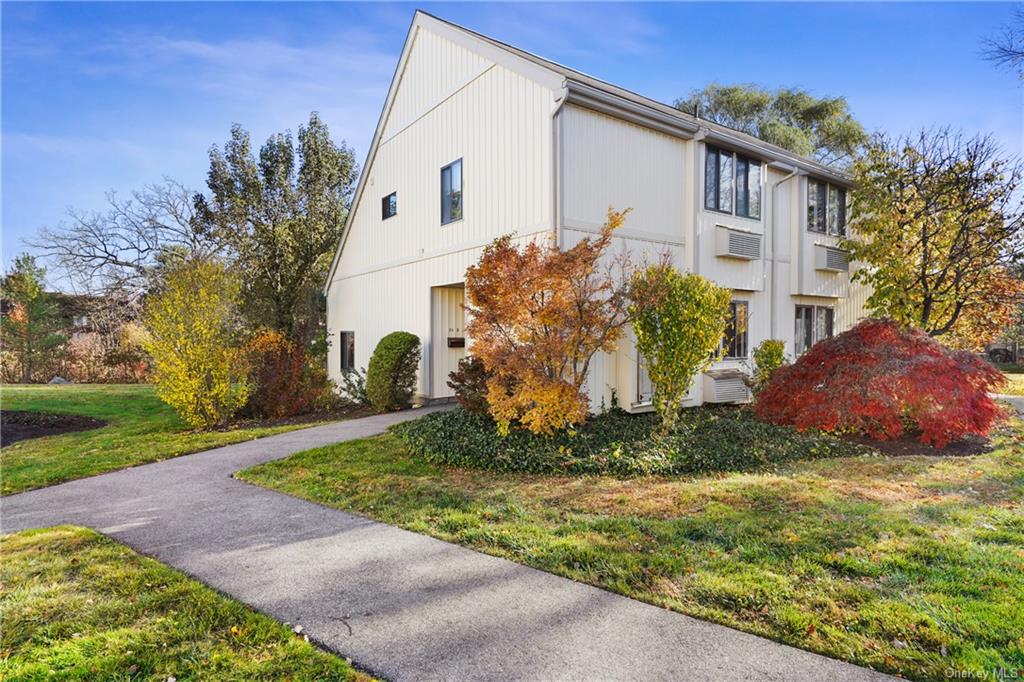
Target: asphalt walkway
column 400, row 605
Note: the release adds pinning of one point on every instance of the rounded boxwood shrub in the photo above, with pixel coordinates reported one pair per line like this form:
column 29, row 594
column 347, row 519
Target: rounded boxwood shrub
column 391, row 374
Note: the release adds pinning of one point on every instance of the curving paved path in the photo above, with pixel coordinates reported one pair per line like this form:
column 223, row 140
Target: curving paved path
column 400, row 605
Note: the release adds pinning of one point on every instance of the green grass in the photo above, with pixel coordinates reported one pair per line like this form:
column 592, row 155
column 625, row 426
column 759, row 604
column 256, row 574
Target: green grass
column 1014, row 384
column 78, row 606
column 914, row 565
column 141, row 428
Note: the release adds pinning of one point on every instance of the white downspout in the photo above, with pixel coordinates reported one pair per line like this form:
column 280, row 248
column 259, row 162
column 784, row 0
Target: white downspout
column 556, row 164
column 772, row 260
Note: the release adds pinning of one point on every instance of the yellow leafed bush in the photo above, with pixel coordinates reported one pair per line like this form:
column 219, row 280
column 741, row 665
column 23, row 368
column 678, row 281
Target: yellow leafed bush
column 197, row 368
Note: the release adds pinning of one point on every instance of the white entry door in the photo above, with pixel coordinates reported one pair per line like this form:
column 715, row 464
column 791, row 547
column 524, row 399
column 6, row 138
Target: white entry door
column 448, row 336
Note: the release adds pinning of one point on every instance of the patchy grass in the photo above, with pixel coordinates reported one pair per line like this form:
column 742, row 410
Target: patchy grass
column 1014, row 384
column 913, row 565
column 77, row 605
column 140, row 428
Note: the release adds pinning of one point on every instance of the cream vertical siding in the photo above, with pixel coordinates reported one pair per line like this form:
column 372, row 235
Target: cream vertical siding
column 607, row 162
column 537, row 167
column 450, row 104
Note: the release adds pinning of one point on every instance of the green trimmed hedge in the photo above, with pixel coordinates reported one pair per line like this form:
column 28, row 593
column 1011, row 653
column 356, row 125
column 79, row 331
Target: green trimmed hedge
column 705, row 439
column 391, row 374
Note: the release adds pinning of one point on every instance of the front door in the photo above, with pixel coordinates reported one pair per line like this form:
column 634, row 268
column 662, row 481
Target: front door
column 448, row 336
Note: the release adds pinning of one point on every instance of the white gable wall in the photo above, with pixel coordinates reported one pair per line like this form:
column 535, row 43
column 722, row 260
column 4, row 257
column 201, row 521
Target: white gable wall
column 449, row 104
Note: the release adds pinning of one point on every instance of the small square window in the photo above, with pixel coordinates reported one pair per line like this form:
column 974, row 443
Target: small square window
column 389, row 206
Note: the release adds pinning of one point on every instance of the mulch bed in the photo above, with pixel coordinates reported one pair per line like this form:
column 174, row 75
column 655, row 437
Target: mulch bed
column 16, row 425
column 909, row 445
column 308, row 418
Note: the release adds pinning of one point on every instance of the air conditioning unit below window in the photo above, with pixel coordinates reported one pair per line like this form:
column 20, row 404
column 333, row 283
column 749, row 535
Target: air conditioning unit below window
column 831, row 259
column 725, row 386
column 733, row 243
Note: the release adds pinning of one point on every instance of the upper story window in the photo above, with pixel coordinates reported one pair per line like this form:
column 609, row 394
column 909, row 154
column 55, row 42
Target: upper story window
column 451, row 192
column 732, row 183
column 813, row 323
column 348, row 351
column 826, row 208
column 735, row 340
column 389, row 206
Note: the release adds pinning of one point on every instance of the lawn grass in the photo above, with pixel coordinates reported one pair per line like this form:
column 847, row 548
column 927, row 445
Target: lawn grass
column 1014, row 384
column 77, row 605
column 913, row 565
column 141, row 428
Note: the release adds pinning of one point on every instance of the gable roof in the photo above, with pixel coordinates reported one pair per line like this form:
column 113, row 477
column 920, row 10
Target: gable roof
column 587, row 91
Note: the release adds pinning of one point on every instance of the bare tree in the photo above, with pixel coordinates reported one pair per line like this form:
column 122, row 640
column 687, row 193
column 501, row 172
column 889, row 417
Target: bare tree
column 1007, row 49
column 115, row 253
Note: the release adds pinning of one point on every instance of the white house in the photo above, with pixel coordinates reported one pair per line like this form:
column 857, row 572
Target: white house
column 478, row 139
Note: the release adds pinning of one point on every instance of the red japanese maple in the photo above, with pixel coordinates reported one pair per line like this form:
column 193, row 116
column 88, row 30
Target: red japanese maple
column 883, row 380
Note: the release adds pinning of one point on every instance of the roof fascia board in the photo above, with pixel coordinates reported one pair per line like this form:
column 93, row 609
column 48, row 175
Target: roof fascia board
column 605, row 102
column 774, row 156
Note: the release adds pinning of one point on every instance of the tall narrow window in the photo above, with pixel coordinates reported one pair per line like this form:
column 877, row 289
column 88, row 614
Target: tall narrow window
column 836, row 210
column 451, row 192
column 804, row 337
column 644, row 385
column 748, row 188
column 816, row 199
column 735, row 340
column 389, row 206
column 725, row 182
column 348, row 351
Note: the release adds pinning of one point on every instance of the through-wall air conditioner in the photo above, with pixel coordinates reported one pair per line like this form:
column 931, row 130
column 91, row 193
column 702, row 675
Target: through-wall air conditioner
column 725, row 386
column 831, row 259
column 739, row 244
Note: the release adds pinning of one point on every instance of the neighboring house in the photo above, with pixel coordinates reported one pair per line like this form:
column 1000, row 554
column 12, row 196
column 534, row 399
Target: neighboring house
column 478, row 139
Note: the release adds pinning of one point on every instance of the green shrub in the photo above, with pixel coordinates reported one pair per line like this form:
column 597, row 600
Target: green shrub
column 703, row 440
column 469, row 382
column 679, row 321
column 769, row 355
column 391, row 375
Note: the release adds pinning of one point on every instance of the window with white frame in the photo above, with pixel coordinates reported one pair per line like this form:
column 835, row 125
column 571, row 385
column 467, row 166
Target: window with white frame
column 451, row 192
column 826, row 208
column 348, row 351
column 732, row 183
column 644, row 385
column 813, row 323
column 735, row 340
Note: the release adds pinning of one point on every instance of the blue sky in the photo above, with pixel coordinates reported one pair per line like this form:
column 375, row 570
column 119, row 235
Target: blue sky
column 113, row 96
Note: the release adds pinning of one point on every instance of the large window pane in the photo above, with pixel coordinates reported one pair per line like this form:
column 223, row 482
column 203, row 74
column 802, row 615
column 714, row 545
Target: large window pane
column 735, row 341
column 457, row 190
column 816, row 200
column 644, row 385
column 754, row 185
column 804, row 333
column 725, row 183
column 742, row 188
column 711, row 179
column 836, row 210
